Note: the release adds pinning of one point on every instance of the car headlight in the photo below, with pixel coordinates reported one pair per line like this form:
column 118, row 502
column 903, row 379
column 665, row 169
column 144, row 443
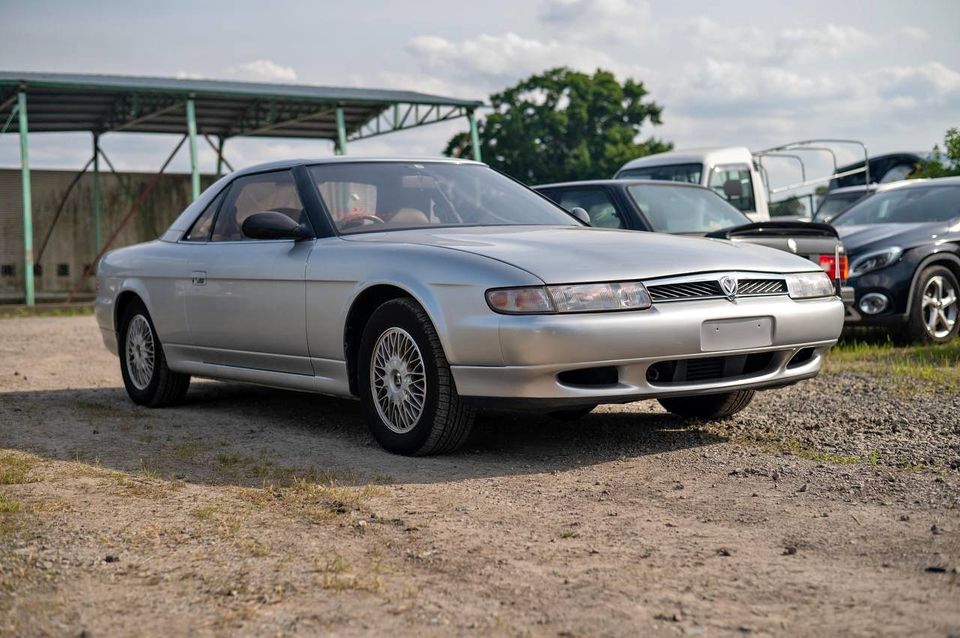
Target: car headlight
column 807, row 285
column 602, row 297
column 875, row 260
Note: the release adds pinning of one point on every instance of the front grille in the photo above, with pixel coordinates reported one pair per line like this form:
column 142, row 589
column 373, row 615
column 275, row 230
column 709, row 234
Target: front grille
column 748, row 287
column 710, row 289
column 709, row 368
column 692, row 290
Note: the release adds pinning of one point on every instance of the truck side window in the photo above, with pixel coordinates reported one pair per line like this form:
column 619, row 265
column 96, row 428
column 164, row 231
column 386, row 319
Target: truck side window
column 734, row 184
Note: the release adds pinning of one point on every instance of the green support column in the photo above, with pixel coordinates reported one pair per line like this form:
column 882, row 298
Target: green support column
column 474, row 135
column 341, row 146
column 192, row 133
column 97, row 197
column 27, row 203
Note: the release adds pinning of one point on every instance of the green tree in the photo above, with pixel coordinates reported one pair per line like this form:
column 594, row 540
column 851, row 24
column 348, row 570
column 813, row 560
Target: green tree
column 944, row 163
column 564, row 125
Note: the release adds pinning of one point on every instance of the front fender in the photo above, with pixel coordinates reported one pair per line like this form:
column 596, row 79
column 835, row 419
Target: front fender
column 449, row 284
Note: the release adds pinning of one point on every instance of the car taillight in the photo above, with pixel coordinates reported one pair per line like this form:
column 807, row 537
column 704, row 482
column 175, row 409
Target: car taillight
column 837, row 269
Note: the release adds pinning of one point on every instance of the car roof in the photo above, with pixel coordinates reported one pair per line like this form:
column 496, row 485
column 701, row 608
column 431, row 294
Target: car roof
column 353, row 159
column 919, row 183
column 859, row 188
column 709, row 155
column 621, row 183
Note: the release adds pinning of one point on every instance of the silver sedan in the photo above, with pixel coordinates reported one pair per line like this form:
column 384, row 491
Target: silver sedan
column 430, row 289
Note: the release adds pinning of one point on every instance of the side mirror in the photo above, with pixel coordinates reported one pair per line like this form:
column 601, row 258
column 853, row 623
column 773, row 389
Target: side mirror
column 273, row 225
column 580, row 214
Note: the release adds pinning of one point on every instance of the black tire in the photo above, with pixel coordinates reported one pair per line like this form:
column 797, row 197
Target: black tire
column 444, row 421
column 165, row 387
column 572, row 414
column 709, row 406
column 915, row 330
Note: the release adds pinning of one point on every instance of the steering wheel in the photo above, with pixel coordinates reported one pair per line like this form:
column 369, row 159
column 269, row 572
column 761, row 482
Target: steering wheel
column 355, row 219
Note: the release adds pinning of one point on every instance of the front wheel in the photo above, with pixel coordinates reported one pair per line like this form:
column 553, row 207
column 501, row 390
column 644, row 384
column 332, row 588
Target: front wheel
column 709, row 406
column 934, row 310
column 143, row 365
column 406, row 387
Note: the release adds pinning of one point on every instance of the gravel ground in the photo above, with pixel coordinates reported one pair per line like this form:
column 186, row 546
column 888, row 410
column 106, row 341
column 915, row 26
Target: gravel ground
column 852, row 415
column 831, row 507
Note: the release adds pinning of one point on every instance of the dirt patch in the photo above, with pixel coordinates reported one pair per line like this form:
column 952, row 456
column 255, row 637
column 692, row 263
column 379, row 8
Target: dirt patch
column 264, row 511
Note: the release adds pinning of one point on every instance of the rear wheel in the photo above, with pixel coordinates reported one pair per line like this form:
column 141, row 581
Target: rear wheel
column 934, row 308
column 709, row 406
column 406, row 388
column 143, row 365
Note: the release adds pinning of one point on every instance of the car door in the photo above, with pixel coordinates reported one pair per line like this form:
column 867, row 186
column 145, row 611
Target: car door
column 245, row 305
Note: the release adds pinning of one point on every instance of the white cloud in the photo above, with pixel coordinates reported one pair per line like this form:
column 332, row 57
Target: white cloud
column 930, row 83
column 264, row 70
column 915, row 33
column 588, row 20
column 502, row 57
column 777, row 47
column 188, row 75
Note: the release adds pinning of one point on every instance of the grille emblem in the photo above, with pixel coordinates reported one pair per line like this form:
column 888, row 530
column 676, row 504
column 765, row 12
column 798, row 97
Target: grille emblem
column 728, row 283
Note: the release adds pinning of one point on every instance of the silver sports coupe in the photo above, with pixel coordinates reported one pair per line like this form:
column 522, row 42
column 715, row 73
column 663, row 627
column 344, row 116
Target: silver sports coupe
column 433, row 288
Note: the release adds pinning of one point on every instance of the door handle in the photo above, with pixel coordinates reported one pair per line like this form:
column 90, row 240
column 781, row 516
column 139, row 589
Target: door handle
column 199, row 278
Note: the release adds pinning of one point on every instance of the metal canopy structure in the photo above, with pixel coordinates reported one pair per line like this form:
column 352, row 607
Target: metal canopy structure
column 211, row 109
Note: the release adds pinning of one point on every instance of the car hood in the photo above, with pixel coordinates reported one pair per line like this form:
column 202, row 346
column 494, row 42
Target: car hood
column 572, row 254
column 858, row 239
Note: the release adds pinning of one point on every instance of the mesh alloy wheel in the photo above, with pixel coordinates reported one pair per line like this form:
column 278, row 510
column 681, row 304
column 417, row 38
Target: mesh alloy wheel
column 140, row 352
column 397, row 380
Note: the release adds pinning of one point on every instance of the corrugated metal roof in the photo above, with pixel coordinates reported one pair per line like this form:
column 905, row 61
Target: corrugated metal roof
column 86, row 102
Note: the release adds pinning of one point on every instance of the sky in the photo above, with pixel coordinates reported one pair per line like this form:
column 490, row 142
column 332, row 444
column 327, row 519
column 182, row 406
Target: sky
column 741, row 72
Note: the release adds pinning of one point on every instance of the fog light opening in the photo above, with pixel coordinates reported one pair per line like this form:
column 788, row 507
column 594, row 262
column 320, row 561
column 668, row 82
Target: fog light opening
column 590, row 377
column 874, row 303
column 804, row 355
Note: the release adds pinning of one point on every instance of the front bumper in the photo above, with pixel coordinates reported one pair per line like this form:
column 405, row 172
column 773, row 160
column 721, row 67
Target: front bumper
column 539, row 348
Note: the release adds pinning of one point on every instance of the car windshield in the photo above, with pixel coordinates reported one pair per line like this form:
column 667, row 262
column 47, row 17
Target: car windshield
column 904, row 205
column 836, row 202
column 375, row 196
column 682, row 209
column 687, row 173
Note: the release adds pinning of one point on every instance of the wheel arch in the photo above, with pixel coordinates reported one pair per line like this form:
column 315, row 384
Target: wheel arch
column 949, row 260
column 362, row 308
column 130, row 291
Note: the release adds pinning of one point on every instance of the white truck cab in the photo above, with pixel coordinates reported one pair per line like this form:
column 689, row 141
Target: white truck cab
column 731, row 172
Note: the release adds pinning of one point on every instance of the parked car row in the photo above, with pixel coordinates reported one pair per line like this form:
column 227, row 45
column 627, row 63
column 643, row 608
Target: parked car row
column 901, row 239
column 429, row 289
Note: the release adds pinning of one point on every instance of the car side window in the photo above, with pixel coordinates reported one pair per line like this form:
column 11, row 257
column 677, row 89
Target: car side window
column 734, row 184
column 200, row 231
column 251, row 194
column 596, row 201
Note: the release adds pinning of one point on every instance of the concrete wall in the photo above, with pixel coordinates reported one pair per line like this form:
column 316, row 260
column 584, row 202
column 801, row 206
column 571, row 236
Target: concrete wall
column 71, row 246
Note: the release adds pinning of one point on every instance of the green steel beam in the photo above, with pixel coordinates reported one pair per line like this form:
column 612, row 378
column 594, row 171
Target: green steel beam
column 27, row 203
column 192, row 134
column 474, row 135
column 341, row 147
column 97, row 196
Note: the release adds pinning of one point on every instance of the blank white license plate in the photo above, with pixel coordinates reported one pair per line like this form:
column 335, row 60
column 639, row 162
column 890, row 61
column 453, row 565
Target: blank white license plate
column 734, row 334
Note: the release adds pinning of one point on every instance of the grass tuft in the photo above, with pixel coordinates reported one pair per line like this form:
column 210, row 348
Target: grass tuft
column 14, row 468
column 909, row 370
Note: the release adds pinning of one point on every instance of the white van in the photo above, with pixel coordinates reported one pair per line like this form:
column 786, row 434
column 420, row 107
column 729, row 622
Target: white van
column 730, row 172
